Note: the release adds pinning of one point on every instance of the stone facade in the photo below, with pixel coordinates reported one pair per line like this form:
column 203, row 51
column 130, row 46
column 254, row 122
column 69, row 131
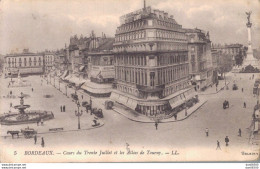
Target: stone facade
column 26, row 63
column 200, row 59
column 151, row 62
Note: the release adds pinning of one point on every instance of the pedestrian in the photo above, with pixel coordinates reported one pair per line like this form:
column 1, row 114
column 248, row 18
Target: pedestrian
column 64, row 108
column 35, row 139
column 32, row 89
column 218, row 145
column 82, row 97
column 207, row 132
column 244, row 104
column 175, row 116
column 227, row 140
column 239, row 132
column 11, row 104
column 42, row 121
column 43, row 143
column 60, row 108
column 11, row 92
column 156, row 125
column 242, row 90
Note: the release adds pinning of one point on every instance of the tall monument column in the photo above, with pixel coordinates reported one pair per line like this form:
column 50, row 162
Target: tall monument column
column 249, row 25
column 249, row 60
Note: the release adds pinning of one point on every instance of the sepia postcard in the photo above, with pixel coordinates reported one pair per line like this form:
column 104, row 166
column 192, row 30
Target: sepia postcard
column 129, row 81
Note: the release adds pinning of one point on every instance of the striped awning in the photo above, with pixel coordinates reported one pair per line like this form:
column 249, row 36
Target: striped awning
column 81, row 68
column 65, row 74
column 126, row 101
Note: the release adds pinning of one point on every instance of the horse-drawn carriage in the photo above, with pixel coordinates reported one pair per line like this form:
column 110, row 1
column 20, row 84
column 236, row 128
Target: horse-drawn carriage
column 97, row 112
column 28, row 132
column 234, row 87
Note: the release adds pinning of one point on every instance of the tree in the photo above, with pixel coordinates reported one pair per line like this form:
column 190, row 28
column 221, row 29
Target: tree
column 239, row 58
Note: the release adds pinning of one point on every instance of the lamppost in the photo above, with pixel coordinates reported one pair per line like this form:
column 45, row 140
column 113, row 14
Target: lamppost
column 54, row 81
column 66, row 86
column 90, row 105
column 59, row 85
column 78, row 113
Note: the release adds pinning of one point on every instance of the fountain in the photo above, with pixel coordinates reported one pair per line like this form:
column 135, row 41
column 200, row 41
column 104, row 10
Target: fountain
column 25, row 117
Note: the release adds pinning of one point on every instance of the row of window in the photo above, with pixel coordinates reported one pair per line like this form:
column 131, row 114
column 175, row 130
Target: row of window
column 166, row 59
column 131, row 75
column 131, row 60
column 158, row 34
column 129, row 90
column 140, row 23
column 19, row 64
column 132, row 25
column 170, row 35
column 174, row 88
column 172, row 73
column 140, row 60
column 130, row 36
column 159, row 77
column 147, row 47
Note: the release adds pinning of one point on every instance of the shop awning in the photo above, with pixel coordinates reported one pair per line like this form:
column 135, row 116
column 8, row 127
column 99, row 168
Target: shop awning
column 76, row 80
column 131, row 104
column 114, row 96
column 190, row 96
column 65, row 74
column 95, row 74
column 67, row 78
column 81, row 68
column 176, row 101
column 126, row 101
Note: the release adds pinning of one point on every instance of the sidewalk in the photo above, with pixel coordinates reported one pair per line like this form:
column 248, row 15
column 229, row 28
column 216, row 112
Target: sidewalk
column 137, row 117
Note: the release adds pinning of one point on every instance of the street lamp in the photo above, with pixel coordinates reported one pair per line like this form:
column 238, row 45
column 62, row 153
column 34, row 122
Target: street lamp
column 66, row 86
column 78, row 113
column 59, row 85
column 54, row 81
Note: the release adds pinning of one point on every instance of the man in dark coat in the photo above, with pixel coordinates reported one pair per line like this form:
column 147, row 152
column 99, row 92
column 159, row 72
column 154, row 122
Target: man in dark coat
column 43, row 143
column 60, row 108
column 156, row 125
column 175, row 116
column 35, row 139
column 218, row 145
column 227, row 140
column 239, row 132
column 63, row 108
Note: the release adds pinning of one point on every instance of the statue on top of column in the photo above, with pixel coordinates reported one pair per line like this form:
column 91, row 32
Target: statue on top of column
column 248, row 16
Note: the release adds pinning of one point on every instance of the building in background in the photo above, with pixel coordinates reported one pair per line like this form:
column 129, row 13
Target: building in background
column 101, row 69
column 26, row 63
column 101, row 63
column 229, row 56
column 49, row 62
column 151, row 63
column 200, row 59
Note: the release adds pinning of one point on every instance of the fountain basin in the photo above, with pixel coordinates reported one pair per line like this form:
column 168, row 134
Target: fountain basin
column 27, row 117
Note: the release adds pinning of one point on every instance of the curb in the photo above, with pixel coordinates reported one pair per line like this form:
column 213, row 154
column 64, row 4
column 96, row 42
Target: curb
column 160, row 121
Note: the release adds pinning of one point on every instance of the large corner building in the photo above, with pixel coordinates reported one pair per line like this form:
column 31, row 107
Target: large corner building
column 151, row 63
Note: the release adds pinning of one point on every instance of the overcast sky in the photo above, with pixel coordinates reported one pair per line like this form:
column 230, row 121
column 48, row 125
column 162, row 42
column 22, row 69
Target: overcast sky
column 48, row 24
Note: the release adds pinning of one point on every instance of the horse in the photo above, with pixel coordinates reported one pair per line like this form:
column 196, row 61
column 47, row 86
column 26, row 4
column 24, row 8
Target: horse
column 14, row 133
